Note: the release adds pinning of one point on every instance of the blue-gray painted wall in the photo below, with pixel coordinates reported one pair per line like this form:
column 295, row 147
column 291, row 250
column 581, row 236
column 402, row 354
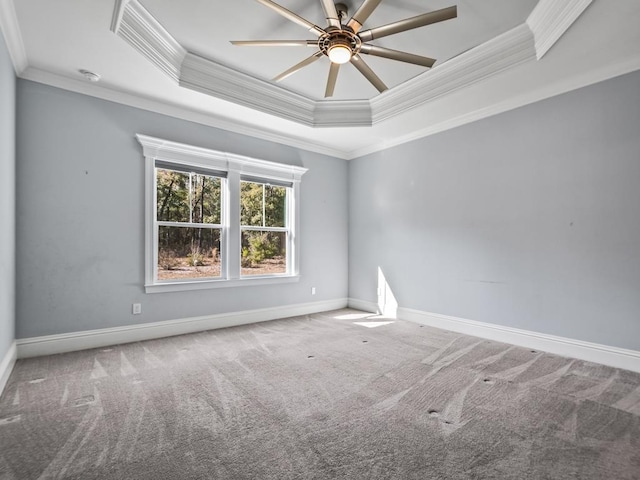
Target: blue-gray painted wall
column 7, row 199
column 80, row 224
column 528, row 219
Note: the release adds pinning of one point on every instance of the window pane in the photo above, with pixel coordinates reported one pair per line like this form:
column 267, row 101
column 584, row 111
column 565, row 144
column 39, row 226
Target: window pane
column 262, row 205
column 264, row 253
column 187, row 197
column 172, row 195
column 185, row 253
column 205, row 199
column 275, row 206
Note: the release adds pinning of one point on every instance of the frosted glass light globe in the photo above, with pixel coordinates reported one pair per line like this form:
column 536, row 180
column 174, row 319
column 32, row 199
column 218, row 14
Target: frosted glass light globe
column 339, row 54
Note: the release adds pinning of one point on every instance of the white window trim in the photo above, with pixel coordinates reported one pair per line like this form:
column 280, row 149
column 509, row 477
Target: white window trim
column 235, row 166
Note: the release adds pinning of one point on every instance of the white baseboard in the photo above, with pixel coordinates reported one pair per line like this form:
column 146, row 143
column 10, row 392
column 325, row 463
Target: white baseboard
column 6, row 366
column 567, row 347
column 70, row 342
column 363, row 305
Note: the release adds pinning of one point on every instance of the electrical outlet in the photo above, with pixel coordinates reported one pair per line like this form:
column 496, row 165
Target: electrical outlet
column 313, row 290
column 137, row 309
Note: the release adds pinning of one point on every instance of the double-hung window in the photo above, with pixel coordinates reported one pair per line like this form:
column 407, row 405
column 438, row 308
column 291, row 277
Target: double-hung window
column 264, row 226
column 214, row 219
column 188, row 221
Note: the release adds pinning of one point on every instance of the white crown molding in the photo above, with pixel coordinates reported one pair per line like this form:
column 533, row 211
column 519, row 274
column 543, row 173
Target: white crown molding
column 6, row 366
column 550, row 19
column 133, row 23
column 542, row 93
column 112, row 94
column 117, row 14
column 329, row 113
column 71, row 342
column 211, row 120
column 143, row 32
column 567, row 347
column 12, row 36
column 138, row 27
column 205, row 76
column 494, row 56
column 342, row 113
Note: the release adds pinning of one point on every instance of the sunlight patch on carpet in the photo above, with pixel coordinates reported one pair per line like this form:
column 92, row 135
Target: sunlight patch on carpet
column 355, row 316
column 372, row 324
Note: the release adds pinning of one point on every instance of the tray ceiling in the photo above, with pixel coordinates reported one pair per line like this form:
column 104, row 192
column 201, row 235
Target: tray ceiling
column 497, row 55
column 208, row 33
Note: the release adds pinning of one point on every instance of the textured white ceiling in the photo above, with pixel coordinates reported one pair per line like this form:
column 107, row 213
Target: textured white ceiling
column 206, row 27
column 62, row 36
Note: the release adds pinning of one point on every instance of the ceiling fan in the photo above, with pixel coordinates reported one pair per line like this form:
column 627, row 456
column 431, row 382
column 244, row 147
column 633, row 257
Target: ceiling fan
column 344, row 43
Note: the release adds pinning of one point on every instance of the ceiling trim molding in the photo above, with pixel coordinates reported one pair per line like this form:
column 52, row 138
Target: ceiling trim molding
column 551, row 18
column 208, row 119
column 112, row 94
column 542, row 93
column 144, row 33
column 206, row 76
column 140, row 29
column 13, row 36
column 203, row 75
column 117, row 14
column 135, row 24
column 325, row 112
column 494, row 56
column 342, row 113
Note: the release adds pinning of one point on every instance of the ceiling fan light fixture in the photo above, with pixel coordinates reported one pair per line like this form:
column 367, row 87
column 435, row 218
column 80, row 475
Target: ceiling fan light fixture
column 342, row 43
column 339, row 53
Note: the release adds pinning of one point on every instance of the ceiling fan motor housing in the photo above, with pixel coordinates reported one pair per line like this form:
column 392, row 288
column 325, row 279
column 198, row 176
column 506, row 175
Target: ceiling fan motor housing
column 339, row 38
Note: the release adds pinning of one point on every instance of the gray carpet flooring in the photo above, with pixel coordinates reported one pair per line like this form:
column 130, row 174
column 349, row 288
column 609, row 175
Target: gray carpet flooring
column 326, row 396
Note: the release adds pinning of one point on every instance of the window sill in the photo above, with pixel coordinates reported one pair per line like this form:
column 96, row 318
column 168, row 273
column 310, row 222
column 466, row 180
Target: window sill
column 209, row 284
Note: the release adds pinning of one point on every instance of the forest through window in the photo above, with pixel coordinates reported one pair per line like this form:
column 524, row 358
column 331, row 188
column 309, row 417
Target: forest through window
column 189, row 224
column 217, row 219
column 263, row 222
column 189, row 219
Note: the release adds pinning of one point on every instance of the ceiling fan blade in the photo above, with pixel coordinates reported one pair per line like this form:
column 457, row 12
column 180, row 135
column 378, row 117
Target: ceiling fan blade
column 275, row 43
column 365, row 70
column 331, row 81
column 361, row 15
column 397, row 55
column 331, row 13
column 409, row 23
column 299, row 66
column 295, row 18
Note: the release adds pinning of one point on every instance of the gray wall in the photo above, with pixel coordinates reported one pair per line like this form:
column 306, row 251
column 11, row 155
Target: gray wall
column 529, row 219
column 80, row 225
column 7, row 199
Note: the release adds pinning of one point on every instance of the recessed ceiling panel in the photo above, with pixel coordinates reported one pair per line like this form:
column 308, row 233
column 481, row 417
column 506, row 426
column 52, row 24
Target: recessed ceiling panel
column 207, row 27
column 51, row 41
